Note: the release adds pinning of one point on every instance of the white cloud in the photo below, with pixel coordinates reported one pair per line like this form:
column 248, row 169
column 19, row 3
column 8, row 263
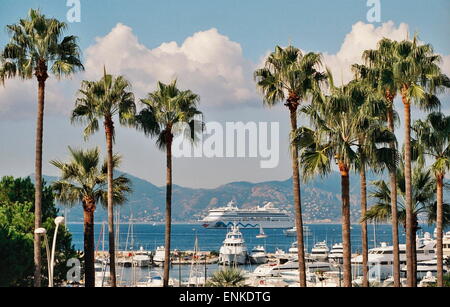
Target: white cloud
column 18, row 99
column 446, row 64
column 362, row 37
column 207, row 62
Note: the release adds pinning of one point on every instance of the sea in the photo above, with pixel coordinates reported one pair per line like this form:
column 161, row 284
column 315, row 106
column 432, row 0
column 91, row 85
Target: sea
column 150, row 236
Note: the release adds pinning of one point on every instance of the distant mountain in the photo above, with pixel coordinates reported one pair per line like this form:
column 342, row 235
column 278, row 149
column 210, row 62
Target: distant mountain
column 321, row 199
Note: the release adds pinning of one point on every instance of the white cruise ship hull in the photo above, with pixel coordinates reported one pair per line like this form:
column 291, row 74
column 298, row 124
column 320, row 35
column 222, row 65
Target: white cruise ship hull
column 223, row 224
column 257, row 217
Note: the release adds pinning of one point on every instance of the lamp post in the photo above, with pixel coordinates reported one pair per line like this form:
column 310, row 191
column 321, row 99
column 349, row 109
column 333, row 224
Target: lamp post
column 58, row 220
column 50, row 256
column 43, row 232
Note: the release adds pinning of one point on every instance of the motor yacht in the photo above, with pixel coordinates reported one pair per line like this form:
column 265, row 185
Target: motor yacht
column 233, row 249
column 320, row 251
column 258, row 255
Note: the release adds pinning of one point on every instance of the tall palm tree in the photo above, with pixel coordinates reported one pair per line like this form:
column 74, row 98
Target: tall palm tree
column 433, row 140
column 337, row 122
column 166, row 112
column 424, row 199
column 419, row 78
column 378, row 73
column 292, row 77
column 371, row 133
column 83, row 180
column 36, row 46
column 103, row 100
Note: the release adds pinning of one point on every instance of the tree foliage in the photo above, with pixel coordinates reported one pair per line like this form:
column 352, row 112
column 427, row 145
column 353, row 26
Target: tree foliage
column 16, row 233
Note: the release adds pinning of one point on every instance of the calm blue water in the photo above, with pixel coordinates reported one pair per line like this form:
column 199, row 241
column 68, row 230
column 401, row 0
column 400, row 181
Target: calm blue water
column 183, row 236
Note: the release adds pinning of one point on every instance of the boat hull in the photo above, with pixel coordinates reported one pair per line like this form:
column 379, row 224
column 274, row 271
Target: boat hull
column 258, row 259
column 247, row 224
column 231, row 259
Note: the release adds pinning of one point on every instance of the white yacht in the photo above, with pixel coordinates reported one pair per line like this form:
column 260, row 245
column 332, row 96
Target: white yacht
column 446, row 245
column 158, row 258
column 141, row 258
column 155, row 280
column 233, row 250
column 389, row 283
column 429, row 280
column 267, row 217
column 286, row 268
column 292, row 232
column 336, row 254
column 381, row 258
column 320, row 251
column 293, row 250
column 258, row 255
column 425, row 268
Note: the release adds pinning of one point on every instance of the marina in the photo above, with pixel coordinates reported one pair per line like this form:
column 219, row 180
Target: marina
column 262, row 262
column 225, row 144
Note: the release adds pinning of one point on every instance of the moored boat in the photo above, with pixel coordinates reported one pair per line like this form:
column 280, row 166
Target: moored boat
column 233, row 249
column 258, row 255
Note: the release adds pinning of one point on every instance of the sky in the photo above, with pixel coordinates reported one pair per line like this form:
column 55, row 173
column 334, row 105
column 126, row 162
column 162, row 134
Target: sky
column 211, row 47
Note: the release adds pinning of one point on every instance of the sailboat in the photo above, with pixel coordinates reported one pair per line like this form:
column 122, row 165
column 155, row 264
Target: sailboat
column 261, row 234
column 195, row 275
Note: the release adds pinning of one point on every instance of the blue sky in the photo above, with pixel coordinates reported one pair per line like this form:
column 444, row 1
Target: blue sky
column 256, row 24
column 246, row 32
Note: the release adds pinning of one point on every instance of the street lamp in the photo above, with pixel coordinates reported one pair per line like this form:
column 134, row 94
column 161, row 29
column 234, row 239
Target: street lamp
column 43, row 232
column 50, row 256
column 58, row 221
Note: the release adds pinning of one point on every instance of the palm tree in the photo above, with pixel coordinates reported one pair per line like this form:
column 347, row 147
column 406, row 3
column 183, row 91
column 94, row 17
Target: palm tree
column 418, row 77
column 2, row 69
column 433, row 140
column 337, row 121
column 228, row 277
column 293, row 77
column 164, row 115
column 424, row 199
column 36, row 46
column 102, row 100
column 84, row 181
column 379, row 74
column 371, row 133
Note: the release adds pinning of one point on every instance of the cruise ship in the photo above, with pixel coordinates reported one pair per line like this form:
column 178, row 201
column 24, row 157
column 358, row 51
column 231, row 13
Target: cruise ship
column 266, row 217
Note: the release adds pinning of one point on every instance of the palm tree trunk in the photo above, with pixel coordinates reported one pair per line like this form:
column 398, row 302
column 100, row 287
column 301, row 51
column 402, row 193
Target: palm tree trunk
column 364, row 240
column 109, row 129
column 439, row 224
column 297, row 199
column 408, row 194
column 394, row 210
column 42, row 76
column 414, row 248
column 89, row 249
column 168, row 212
column 346, row 243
